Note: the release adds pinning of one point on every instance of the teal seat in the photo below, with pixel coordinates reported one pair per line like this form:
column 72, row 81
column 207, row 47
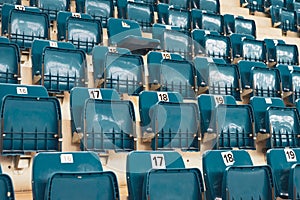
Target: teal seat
column 84, row 33
column 198, row 36
column 271, row 49
column 290, row 76
column 21, row 31
column 294, row 182
column 175, row 76
column 30, row 124
column 174, row 126
column 5, row 14
column 61, row 69
column 207, row 104
column 45, row 165
column 236, row 41
column 100, row 10
column 183, row 4
column 4, row 39
column 62, row 18
column 158, row 30
column 78, row 96
column 287, row 54
column 6, row 187
column 252, row 182
column 9, row 63
column 288, row 21
column 127, row 34
column 140, row 162
column 83, row 185
column 176, row 42
column 208, row 21
column 217, row 46
column 254, row 50
column 99, row 58
column 51, row 7
column 212, row 6
column 176, row 184
column 147, row 99
column 219, row 79
column 281, row 162
column 215, row 163
column 245, row 26
column 114, row 130
column 124, row 73
column 139, row 11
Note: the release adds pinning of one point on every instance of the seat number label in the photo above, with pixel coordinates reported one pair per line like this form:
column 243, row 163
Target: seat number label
column 228, row 158
column 95, row 94
column 290, row 155
column 158, row 161
column 66, row 158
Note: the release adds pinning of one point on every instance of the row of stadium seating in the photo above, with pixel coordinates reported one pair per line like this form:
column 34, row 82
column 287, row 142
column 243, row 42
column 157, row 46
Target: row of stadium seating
column 166, row 121
column 156, row 175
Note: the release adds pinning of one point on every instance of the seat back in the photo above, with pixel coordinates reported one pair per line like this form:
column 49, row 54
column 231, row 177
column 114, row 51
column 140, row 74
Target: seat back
column 180, row 18
column 254, row 50
column 114, row 130
column 78, row 97
column 259, row 184
column 9, row 63
column 176, row 184
column 30, row 124
column 84, row 33
column 287, row 54
column 140, row 162
column 271, row 48
column 46, row 164
column 236, row 41
column 124, row 73
column 288, row 20
column 52, row 7
column 207, row 21
column 100, row 10
column 294, row 182
column 215, row 163
column 62, row 69
column 6, row 187
column 198, row 36
column 183, row 4
column 245, row 26
column 218, row 47
column 210, row 5
column 23, row 33
column 81, row 185
column 237, row 131
column 207, row 106
column 175, row 126
column 281, row 162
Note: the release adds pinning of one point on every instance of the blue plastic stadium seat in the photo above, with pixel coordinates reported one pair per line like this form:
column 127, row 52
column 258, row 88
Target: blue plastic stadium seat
column 288, row 21
column 281, row 162
column 51, row 7
column 99, row 54
column 158, row 31
column 277, row 124
column 68, row 71
column 236, row 41
column 173, row 75
column 198, row 36
column 218, row 124
column 163, row 173
column 100, row 10
column 208, row 5
column 141, row 12
column 290, row 77
column 79, row 29
column 45, row 165
column 168, row 123
column 19, row 28
column 6, row 187
column 217, row 78
column 207, row 21
column 253, row 5
column 254, row 50
column 177, row 42
column 183, row 4
column 217, row 46
column 271, row 49
column 13, row 2
column 287, row 54
column 154, row 66
column 9, row 63
column 127, row 34
column 171, row 15
column 215, row 163
column 245, row 26
column 30, row 124
column 229, row 23
column 252, row 182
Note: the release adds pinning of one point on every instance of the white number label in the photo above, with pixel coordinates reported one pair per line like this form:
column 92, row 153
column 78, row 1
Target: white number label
column 78, row 15
column 66, row 158
column 219, row 100
column 95, row 94
column 158, row 161
column 268, row 100
column 125, row 25
column 19, row 7
column 228, row 158
column 112, row 49
column 166, row 55
column 53, row 44
column 163, row 96
column 290, row 155
column 22, row 90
